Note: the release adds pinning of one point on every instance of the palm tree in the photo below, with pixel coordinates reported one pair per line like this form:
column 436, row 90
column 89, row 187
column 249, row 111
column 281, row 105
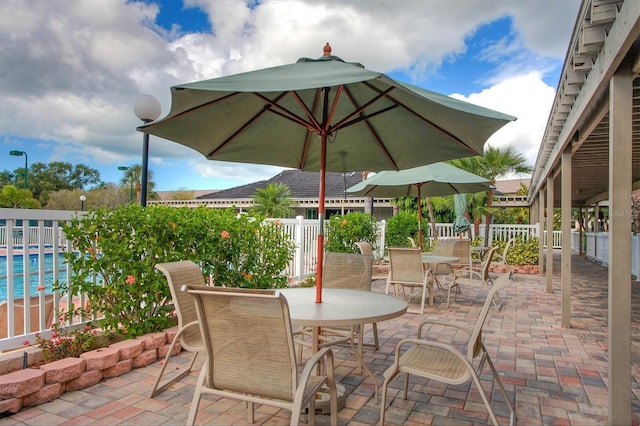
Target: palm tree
column 274, row 200
column 134, row 174
column 496, row 162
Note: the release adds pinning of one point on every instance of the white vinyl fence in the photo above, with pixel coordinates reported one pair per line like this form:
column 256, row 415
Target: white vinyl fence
column 34, row 239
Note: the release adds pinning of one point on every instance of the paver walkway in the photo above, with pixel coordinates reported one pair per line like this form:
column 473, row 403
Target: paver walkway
column 555, row 375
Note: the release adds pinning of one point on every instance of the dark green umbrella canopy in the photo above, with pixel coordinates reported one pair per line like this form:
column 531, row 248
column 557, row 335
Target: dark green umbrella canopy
column 323, row 115
column 432, row 180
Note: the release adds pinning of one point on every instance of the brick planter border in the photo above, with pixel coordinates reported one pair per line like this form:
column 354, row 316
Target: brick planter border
column 33, row 386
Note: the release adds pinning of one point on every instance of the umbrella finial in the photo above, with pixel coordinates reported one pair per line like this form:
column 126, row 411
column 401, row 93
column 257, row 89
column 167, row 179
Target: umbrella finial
column 327, row 49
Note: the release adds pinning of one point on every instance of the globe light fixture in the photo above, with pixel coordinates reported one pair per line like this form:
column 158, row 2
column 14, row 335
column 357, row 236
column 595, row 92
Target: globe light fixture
column 147, row 108
column 18, row 154
column 82, row 200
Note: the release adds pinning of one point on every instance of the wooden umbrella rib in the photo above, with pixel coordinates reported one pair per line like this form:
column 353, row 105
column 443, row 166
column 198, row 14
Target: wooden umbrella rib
column 278, row 109
column 307, row 139
column 346, row 121
column 372, row 130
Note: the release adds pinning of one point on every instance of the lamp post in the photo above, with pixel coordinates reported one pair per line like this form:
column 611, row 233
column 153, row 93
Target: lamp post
column 130, row 182
column 18, row 154
column 147, row 108
column 82, row 200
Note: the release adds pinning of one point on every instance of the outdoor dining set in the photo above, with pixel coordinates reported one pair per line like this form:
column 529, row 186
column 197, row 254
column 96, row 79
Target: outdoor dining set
column 253, row 340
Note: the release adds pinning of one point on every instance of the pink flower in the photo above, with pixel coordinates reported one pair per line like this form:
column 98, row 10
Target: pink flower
column 87, row 327
column 26, row 342
column 54, row 334
column 225, row 234
column 40, row 287
column 277, row 223
column 130, row 279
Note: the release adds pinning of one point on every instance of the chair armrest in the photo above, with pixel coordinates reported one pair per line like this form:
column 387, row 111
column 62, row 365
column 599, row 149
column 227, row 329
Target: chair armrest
column 324, row 354
column 444, row 324
column 473, row 272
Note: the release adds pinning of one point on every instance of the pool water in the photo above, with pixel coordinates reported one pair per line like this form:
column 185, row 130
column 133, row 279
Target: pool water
column 34, row 278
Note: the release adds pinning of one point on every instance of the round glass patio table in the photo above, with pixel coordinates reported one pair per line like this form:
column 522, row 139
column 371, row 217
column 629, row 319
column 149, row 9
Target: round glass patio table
column 341, row 307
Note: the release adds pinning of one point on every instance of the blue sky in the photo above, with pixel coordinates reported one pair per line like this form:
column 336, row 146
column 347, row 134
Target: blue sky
column 77, row 67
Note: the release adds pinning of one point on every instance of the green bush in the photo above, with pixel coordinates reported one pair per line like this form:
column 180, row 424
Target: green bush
column 344, row 231
column 118, row 249
column 402, row 226
column 521, row 252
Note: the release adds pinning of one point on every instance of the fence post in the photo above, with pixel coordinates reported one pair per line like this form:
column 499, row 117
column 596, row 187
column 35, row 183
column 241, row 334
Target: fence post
column 299, row 254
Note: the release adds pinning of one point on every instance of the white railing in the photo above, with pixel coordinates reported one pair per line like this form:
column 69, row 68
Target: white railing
column 45, row 237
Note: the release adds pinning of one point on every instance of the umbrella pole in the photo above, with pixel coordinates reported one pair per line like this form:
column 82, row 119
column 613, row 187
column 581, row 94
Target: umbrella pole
column 321, row 216
column 419, row 218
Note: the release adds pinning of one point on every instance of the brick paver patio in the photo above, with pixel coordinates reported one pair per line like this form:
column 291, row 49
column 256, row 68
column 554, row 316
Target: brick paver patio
column 554, row 375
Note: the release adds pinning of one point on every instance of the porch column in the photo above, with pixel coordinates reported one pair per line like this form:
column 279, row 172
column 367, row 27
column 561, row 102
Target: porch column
column 541, row 225
column 620, row 122
column 549, row 260
column 565, row 269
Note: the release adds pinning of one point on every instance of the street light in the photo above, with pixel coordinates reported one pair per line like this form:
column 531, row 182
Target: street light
column 18, row 154
column 147, row 108
column 82, row 200
column 130, row 182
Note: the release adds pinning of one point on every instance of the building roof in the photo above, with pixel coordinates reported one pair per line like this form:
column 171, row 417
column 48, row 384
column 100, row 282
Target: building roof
column 302, row 185
column 511, row 186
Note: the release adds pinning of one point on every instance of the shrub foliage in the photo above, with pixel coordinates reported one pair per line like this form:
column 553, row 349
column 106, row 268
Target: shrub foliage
column 115, row 252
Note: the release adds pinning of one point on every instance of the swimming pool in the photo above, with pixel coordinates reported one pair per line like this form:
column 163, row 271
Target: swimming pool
column 34, row 279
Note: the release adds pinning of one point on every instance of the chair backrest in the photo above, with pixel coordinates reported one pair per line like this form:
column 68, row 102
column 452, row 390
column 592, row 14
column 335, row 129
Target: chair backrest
column 462, row 250
column 248, row 339
column 405, row 265
column 473, row 347
column 510, row 243
column 347, row 270
column 178, row 274
column 486, row 263
column 34, row 315
column 364, row 247
column 444, row 247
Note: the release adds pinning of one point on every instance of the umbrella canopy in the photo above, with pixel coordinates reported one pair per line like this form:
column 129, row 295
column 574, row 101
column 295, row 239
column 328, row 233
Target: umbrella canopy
column 323, row 115
column 460, row 223
column 432, row 180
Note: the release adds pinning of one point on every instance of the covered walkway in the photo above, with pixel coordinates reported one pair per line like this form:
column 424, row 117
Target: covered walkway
column 556, row 375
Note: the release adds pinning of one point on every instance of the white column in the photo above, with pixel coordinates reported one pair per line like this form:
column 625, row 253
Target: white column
column 565, row 269
column 549, row 259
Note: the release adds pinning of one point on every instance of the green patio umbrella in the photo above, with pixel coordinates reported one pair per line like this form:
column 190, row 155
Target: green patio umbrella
column 323, row 115
column 460, row 223
column 432, row 180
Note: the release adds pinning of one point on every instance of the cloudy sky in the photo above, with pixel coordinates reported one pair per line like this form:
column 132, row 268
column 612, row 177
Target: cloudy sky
column 70, row 70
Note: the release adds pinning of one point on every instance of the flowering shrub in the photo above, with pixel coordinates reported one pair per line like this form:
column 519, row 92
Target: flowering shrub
column 344, row 231
column 66, row 343
column 115, row 253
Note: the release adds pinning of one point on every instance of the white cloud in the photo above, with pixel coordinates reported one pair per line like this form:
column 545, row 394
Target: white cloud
column 76, row 66
column 527, row 98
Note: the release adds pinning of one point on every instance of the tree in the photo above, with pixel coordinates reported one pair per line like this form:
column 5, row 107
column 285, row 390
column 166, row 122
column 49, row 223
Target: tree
column 109, row 196
column 134, row 174
column 495, row 163
column 13, row 197
column 274, row 200
column 45, row 179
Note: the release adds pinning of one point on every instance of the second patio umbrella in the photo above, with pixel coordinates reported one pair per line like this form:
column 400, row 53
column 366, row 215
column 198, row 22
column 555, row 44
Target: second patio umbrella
column 323, row 115
column 432, row 180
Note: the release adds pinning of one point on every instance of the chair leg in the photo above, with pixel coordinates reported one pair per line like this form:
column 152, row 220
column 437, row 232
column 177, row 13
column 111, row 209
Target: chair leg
column 197, row 394
column 156, row 388
column 512, row 416
column 376, row 341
